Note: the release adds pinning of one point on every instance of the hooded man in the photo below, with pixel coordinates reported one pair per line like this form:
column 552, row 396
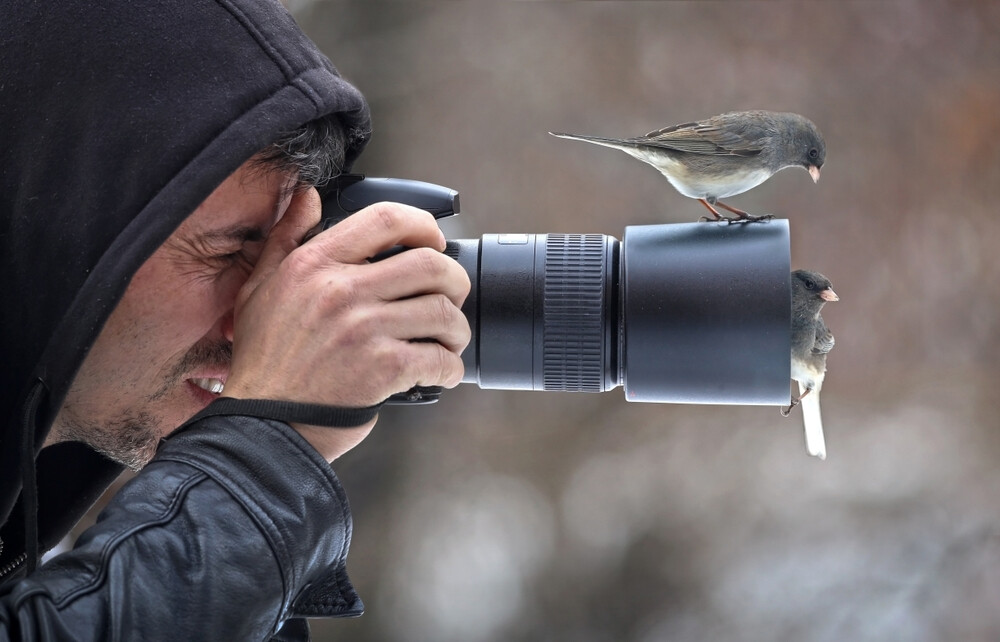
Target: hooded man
column 156, row 181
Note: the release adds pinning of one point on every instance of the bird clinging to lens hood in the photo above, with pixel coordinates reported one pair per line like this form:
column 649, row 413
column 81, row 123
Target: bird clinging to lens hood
column 811, row 342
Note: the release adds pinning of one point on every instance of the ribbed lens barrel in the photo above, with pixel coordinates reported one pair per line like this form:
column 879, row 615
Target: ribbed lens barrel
column 543, row 311
column 575, row 339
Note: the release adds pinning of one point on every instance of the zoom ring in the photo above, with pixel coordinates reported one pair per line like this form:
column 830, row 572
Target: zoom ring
column 573, row 328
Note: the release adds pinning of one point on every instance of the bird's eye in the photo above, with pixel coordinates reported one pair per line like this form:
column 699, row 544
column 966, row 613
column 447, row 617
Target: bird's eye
column 810, row 284
column 813, row 153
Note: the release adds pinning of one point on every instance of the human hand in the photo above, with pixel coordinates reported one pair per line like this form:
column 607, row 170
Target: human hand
column 317, row 323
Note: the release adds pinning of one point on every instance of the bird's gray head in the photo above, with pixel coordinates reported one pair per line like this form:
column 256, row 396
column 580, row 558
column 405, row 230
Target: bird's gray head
column 806, row 145
column 811, row 289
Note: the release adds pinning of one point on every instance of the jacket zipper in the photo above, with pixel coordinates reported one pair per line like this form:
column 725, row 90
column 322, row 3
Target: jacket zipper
column 13, row 565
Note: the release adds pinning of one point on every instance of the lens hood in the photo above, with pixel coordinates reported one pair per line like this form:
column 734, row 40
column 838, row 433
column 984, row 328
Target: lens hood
column 706, row 311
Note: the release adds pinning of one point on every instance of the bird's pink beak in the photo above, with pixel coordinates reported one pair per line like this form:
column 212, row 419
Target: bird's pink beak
column 829, row 295
column 814, row 172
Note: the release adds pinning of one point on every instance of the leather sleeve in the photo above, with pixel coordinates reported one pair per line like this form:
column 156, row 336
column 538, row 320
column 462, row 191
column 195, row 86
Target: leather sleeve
column 235, row 526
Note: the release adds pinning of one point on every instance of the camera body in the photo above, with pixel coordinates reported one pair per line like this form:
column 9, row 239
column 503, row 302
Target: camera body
column 683, row 313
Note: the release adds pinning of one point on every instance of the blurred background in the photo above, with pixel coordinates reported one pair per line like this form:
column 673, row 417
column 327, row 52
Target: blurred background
column 562, row 516
column 500, row 516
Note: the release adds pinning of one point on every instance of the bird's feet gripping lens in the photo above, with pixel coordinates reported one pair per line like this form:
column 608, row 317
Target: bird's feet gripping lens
column 787, row 411
column 749, row 218
column 741, row 216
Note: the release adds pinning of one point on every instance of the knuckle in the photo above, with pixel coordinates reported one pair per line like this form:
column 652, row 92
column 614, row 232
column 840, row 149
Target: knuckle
column 449, row 368
column 356, row 326
column 462, row 287
column 436, row 365
column 428, row 261
column 300, row 262
column 443, row 312
column 394, row 217
column 340, row 291
column 386, row 216
column 463, row 277
column 395, row 365
column 464, row 333
column 443, row 366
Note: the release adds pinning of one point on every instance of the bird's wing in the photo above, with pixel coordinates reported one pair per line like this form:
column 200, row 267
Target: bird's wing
column 824, row 338
column 708, row 137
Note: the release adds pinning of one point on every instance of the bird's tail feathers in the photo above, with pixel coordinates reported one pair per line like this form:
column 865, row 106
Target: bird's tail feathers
column 597, row 140
column 813, row 422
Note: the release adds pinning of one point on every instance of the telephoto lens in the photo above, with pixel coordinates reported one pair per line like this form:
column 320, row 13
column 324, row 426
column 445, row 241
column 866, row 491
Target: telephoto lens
column 682, row 313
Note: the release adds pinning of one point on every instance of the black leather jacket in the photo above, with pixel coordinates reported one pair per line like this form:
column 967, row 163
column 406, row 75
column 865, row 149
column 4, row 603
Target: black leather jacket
column 236, row 526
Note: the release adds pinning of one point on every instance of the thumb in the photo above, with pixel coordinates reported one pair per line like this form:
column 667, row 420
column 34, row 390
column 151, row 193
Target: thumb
column 302, row 214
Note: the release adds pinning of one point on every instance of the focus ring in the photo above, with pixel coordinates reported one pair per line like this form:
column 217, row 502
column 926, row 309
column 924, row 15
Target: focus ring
column 573, row 332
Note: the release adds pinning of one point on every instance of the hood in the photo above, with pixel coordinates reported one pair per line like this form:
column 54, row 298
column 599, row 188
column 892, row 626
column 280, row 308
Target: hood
column 118, row 118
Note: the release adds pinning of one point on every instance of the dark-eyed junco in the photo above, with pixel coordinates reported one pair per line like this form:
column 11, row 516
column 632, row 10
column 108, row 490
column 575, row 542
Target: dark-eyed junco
column 811, row 341
column 725, row 155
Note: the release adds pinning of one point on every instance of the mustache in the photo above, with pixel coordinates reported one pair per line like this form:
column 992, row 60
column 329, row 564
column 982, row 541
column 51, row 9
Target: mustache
column 215, row 354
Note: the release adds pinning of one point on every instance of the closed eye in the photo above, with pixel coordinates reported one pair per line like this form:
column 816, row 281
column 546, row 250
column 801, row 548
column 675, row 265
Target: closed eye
column 246, row 256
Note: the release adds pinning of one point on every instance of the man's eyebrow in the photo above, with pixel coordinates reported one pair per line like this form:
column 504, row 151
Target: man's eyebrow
column 238, row 233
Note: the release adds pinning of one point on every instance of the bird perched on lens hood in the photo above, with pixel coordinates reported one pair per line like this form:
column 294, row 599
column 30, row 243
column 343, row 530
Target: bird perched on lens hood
column 725, row 155
column 811, row 342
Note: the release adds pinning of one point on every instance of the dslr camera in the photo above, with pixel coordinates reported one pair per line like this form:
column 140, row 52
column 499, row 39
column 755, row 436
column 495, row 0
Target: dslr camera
column 682, row 313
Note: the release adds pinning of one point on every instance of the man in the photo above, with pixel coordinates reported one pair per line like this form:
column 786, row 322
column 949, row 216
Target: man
column 155, row 187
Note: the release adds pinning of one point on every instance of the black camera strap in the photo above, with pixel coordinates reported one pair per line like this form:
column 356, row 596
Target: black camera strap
column 290, row 412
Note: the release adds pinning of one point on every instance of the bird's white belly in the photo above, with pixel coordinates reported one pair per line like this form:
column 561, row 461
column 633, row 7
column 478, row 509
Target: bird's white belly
column 693, row 186
column 741, row 182
column 807, row 376
column 733, row 184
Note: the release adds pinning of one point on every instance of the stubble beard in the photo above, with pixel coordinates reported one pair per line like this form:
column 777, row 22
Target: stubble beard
column 132, row 436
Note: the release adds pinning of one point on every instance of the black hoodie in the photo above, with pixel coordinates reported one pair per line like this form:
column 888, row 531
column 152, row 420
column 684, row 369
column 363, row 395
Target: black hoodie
column 117, row 118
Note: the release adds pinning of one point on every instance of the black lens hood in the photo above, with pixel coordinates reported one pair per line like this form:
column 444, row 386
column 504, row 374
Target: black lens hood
column 706, row 313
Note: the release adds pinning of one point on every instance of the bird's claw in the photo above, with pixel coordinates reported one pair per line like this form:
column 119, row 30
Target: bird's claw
column 748, row 218
column 787, row 411
column 729, row 220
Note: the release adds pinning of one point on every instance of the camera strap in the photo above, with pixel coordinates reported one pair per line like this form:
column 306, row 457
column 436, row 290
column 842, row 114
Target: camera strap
column 290, row 412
